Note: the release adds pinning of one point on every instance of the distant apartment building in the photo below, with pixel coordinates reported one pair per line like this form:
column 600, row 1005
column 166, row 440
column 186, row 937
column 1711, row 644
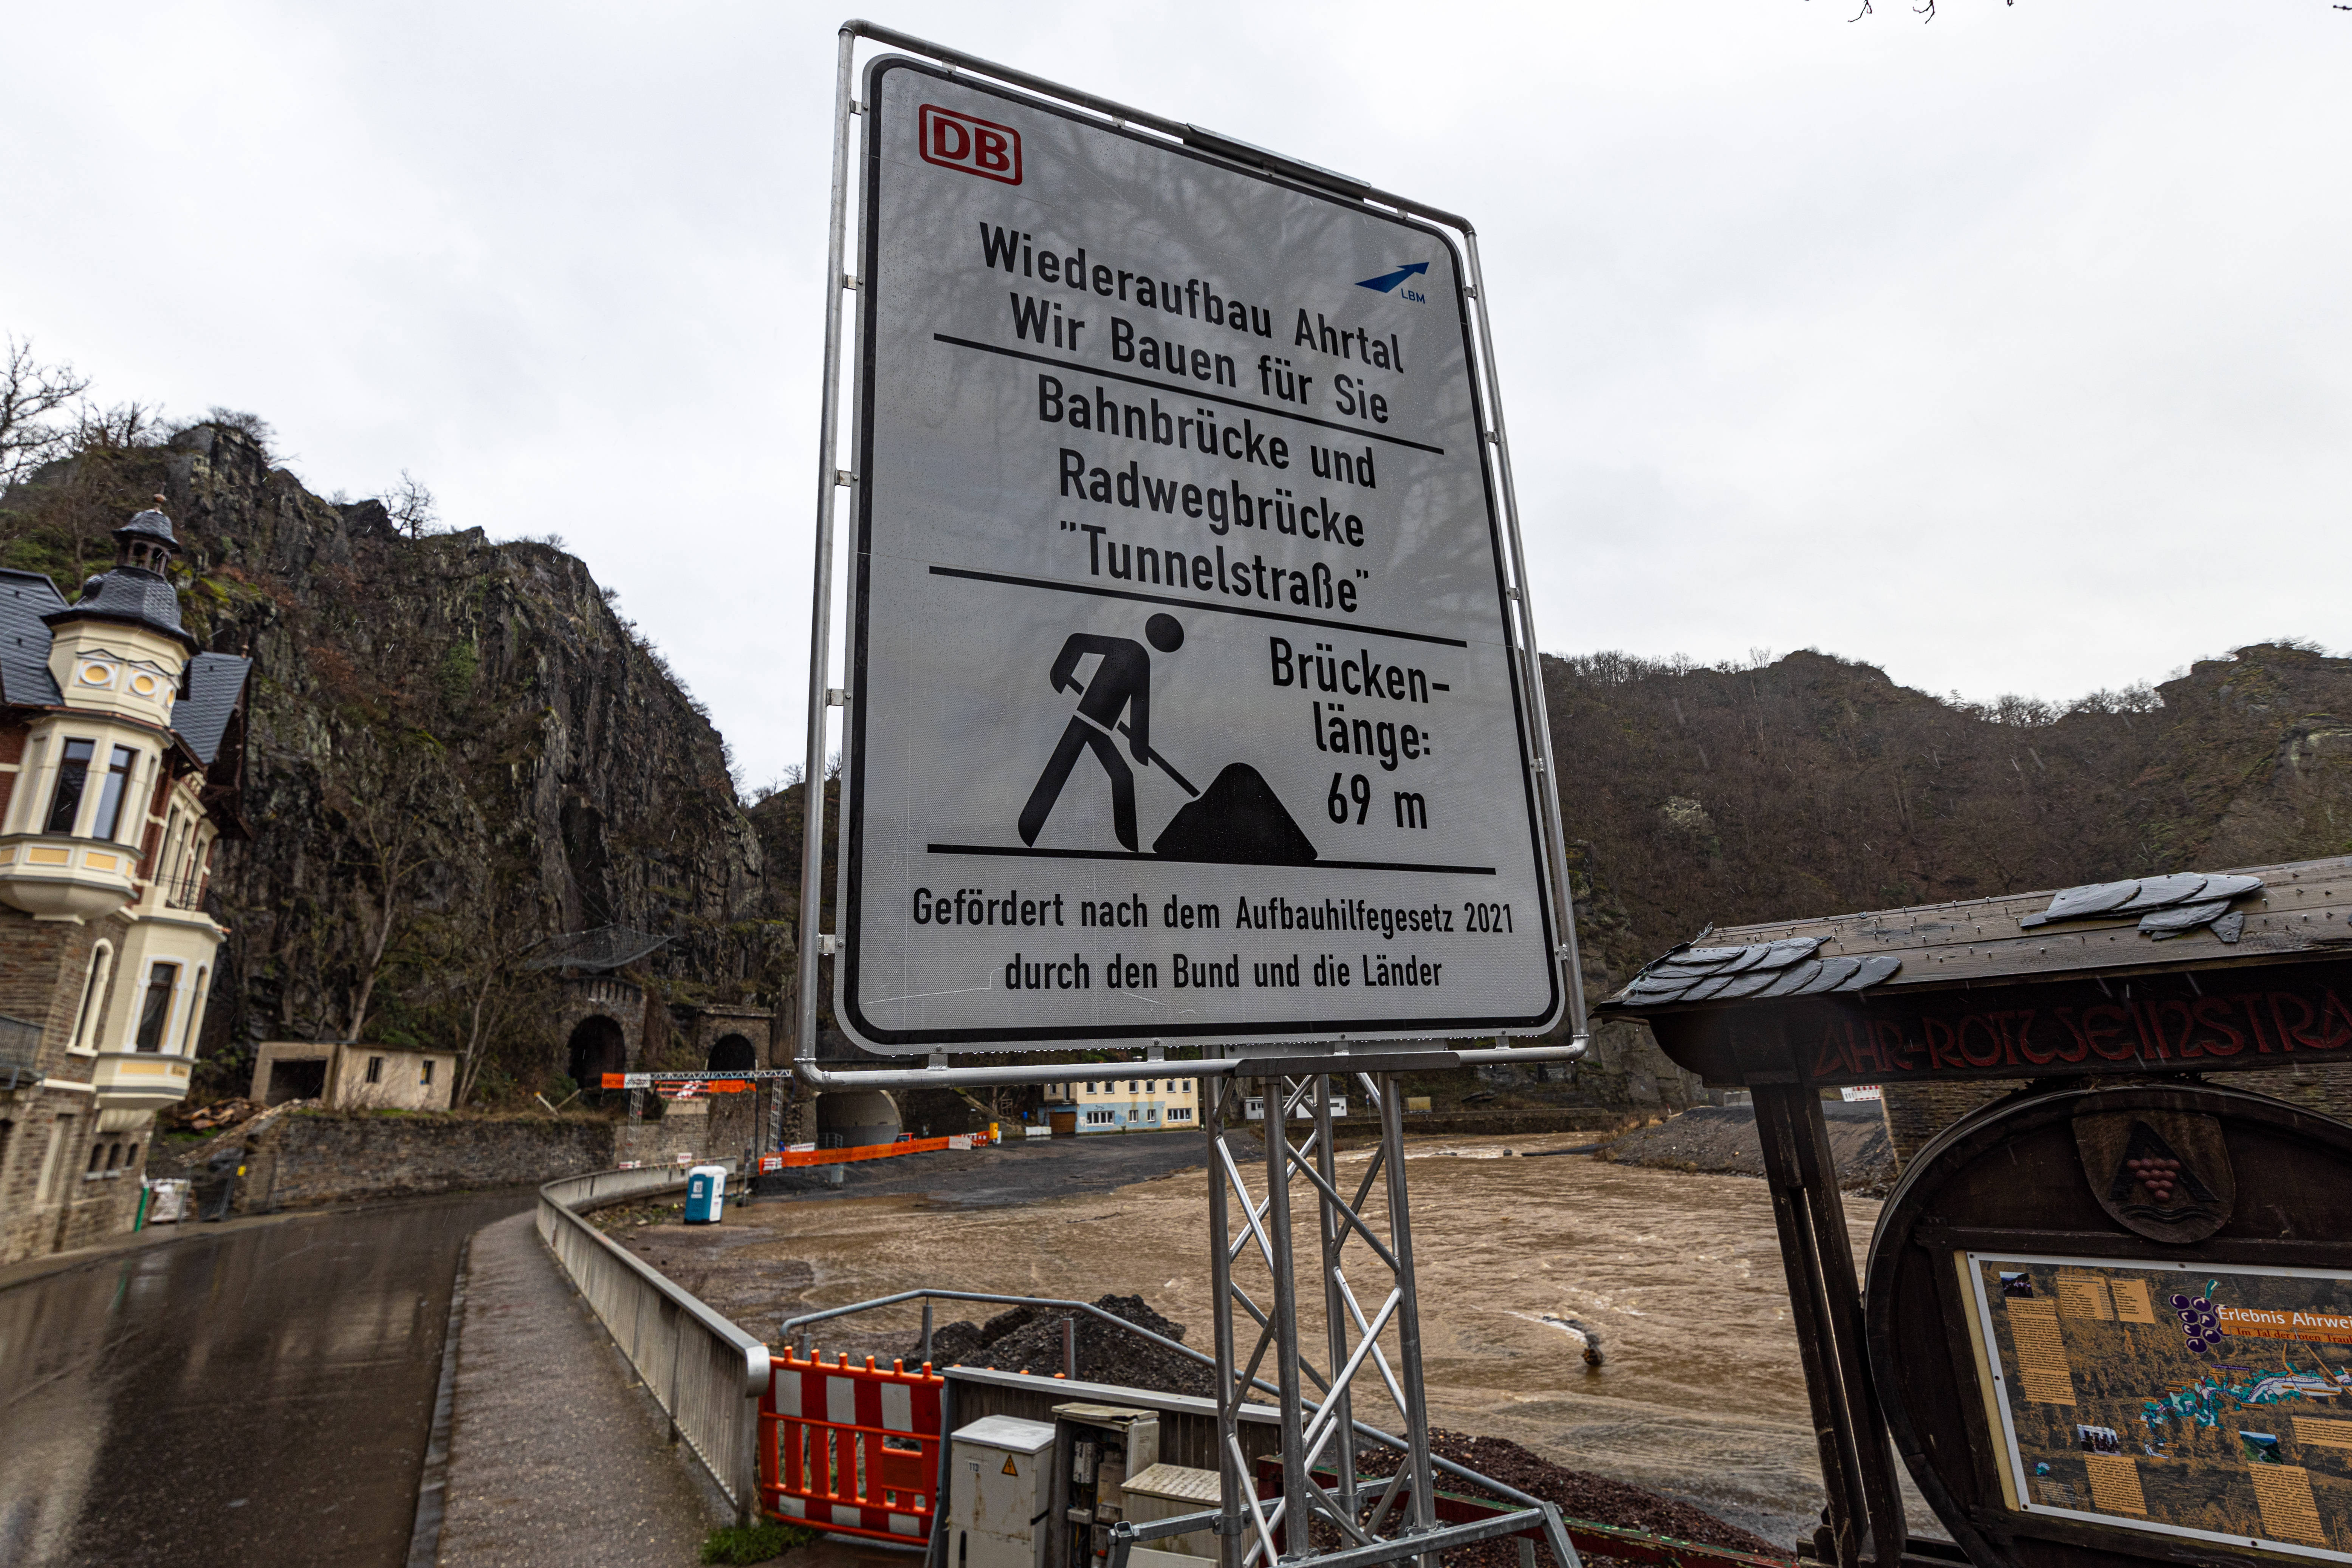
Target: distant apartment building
column 1121, row 1105
column 121, row 759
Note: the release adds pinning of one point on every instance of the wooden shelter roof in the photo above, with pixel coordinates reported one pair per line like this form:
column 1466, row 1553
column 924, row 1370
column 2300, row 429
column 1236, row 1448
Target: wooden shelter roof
column 2265, row 914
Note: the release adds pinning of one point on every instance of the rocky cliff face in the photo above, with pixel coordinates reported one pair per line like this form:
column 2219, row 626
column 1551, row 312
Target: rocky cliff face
column 455, row 749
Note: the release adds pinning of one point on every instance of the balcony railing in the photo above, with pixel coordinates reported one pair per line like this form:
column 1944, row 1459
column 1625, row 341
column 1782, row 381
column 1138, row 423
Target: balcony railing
column 20, row 1053
column 182, row 893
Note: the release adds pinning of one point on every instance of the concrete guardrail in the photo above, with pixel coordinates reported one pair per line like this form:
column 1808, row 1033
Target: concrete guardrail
column 706, row 1374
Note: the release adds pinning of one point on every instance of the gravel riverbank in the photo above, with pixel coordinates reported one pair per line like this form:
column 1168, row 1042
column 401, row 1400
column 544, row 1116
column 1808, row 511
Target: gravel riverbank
column 1721, row 1140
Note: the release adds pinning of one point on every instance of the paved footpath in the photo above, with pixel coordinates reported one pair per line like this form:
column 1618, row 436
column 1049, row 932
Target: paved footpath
column 556, row 1455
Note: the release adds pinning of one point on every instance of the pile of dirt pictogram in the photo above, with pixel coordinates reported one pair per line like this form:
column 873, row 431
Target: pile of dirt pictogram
column 1237, row 821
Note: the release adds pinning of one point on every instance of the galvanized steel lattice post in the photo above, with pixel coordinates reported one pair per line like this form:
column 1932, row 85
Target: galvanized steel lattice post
column 1319, row 1432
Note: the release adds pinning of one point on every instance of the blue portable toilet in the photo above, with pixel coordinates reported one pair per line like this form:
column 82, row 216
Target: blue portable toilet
column 705, row 1194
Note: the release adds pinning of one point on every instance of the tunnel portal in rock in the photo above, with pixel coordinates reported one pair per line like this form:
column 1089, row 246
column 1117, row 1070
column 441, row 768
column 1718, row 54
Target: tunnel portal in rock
column 598, row 1046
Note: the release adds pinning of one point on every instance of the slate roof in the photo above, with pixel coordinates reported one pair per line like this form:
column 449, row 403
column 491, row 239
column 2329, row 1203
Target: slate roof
column 30, row 602
column 130, row 594
column 153, row 524
column 2190, row 919
column 1784, row 968
column 25, row 679
column 216, row 683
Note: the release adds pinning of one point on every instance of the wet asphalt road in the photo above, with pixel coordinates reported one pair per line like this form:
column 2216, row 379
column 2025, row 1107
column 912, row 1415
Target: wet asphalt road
column 260, row 1397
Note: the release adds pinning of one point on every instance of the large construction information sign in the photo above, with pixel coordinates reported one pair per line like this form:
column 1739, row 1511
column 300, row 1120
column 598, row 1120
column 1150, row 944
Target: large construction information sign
column 1184, row 705
column 2186, row 1400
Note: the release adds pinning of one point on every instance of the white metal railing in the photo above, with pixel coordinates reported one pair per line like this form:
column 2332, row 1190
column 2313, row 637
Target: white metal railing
column 706, row 1373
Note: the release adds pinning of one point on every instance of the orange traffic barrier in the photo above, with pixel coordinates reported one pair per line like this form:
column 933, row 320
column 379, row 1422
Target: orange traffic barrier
column 853, row 1449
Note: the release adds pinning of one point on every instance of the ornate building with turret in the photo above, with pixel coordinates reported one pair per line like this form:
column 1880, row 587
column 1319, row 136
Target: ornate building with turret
column 122, row 754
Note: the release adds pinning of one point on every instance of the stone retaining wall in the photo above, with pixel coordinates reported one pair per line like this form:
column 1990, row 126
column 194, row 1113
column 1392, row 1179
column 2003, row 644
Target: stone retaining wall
column 302, row 1158
column 305, row 1159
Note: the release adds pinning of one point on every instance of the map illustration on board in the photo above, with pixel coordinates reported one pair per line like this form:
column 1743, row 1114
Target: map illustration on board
column 2198, row 1402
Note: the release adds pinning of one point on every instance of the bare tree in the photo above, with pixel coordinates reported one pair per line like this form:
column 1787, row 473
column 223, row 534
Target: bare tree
column 477, row 950
column 493, row 1000
column 392, row 846
column 30, row 393
column 411, row 506
column 100, row 486
column 265, row 435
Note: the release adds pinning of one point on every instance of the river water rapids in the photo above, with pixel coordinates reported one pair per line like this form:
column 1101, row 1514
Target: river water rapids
column 1701, row 1395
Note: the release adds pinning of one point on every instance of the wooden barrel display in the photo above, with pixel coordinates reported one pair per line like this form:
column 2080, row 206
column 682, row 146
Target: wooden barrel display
column 2114, row 1324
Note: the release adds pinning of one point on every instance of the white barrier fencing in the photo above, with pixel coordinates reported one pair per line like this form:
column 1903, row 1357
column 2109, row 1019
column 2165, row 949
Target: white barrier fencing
column 704, row 1372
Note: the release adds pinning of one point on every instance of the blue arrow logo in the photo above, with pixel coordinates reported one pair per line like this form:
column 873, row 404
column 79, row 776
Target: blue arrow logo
column 1387, row 282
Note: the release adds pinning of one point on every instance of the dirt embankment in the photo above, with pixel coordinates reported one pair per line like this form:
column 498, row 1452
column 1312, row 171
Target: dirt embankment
column 1579, row 1494
column 1721, row 1140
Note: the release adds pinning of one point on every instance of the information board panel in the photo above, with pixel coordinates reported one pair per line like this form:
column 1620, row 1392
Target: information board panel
column 2190, row 1401
column 1184, row 705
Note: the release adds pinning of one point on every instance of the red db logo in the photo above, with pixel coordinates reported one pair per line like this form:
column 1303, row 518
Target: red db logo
column 980, row 147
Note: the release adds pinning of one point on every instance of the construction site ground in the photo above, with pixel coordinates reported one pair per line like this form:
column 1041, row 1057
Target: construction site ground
column 1524, row 1254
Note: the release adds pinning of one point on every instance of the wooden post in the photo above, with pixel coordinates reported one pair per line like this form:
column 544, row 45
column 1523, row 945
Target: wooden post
column 1809, row 1315
column 1825, row 1302
column 1841, row 1291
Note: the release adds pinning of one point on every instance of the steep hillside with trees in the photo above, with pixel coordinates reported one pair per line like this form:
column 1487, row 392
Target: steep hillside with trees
column 1812, row 786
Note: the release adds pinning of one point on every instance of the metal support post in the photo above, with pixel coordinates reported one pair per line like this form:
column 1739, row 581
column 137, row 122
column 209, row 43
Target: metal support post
column 1334, row 1240
column 1217, row 1095
column 1416, row 1410
column 1284, row 1268
column 1318, row 1434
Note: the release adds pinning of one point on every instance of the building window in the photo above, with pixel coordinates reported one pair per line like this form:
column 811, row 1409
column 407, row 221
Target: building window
column 375, row 1069
column 94, row 997
column 97, row 1153
column 1187, row 1085
column 73, row 776
column 1131, row 1086
column 195, row 1014
column 110, row 796
column 157, row 1012
column 427, row 1077
column 167, row 864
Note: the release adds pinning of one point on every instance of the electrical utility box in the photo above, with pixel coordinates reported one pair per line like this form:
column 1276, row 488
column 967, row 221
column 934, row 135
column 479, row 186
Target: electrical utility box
column 1000, row 1473
column 705, row 1194
column 1167, row 1491
column 1096, row 1449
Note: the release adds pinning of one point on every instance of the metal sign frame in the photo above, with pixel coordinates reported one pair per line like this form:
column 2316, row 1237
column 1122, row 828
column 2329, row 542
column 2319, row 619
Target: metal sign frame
column 1531, row 715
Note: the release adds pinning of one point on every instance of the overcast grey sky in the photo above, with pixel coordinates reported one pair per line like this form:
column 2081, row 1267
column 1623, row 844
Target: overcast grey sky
column 2011, row 353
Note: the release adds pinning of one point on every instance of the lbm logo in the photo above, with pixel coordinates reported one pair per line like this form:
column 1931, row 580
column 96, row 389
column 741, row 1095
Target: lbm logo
column 980, row 147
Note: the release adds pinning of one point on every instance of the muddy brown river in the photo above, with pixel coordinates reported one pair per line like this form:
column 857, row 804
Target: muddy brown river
column 1701, row 1395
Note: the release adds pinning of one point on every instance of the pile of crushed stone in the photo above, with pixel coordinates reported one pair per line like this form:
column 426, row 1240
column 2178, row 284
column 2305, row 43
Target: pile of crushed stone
column 1577, row 1494
column 1721, row 1140
column 1029, row 1339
